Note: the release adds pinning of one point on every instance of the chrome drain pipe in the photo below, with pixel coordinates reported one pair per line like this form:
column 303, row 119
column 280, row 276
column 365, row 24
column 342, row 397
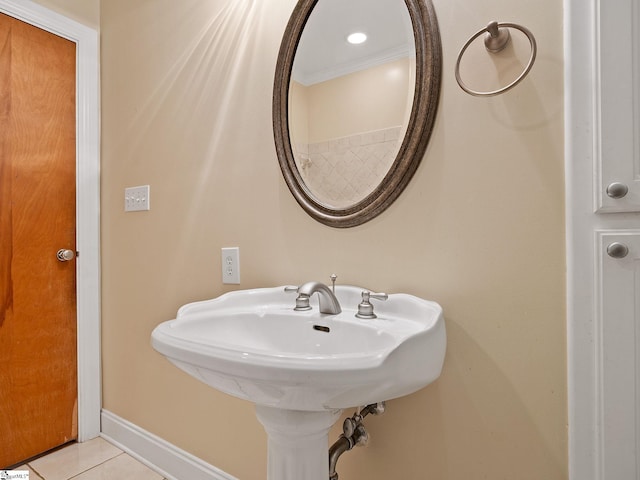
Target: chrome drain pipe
column 353, row 434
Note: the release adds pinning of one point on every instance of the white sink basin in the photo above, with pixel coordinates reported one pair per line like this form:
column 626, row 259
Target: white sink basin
column 253, row 345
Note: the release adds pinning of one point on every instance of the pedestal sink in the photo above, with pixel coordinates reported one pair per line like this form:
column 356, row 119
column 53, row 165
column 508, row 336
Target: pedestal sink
column 301, row 368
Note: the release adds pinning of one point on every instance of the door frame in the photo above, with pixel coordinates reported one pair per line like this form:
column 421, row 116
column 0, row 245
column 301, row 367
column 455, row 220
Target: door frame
column 579, row 88
column 87, row 201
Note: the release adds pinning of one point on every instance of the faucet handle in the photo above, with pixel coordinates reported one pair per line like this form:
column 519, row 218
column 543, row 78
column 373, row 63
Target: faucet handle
column 365, row 308
column 302, row 301
column 377, row 296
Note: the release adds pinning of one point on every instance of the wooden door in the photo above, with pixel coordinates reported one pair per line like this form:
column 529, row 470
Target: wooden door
column 38, row 367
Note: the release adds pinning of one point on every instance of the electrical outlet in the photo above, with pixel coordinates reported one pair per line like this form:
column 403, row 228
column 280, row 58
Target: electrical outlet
column 137, row 199
column 231, row 265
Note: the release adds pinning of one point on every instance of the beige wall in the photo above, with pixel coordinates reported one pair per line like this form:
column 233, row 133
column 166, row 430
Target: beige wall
column 187, row 108
column 372, row 99
column 298, row 115
column 363, row 101
column 83, row 11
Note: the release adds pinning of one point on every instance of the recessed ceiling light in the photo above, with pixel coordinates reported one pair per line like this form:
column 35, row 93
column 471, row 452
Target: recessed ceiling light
column 357, row 38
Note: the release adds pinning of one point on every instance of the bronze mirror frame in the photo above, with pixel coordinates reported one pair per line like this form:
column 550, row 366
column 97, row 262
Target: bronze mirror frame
column 423, row 112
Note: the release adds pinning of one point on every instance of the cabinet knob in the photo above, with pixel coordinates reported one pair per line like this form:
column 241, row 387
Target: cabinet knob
column 617, row 250
column 617, row 190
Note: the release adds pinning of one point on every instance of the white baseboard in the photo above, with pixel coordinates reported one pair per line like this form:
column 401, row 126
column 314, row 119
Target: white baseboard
column 168, row 460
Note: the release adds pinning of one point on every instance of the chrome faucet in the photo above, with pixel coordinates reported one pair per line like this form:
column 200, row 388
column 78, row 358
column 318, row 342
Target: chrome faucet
column 328, row 301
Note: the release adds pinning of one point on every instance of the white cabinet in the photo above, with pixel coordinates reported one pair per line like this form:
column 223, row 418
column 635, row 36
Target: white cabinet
column 617, row 322
column 617, row 280
column 602, row 132
column 617, row 112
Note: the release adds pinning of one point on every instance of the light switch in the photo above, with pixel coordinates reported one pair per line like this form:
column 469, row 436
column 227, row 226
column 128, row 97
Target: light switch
column 137, row 199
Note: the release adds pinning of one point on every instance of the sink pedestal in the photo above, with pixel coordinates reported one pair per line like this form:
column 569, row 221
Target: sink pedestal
column 298, row 442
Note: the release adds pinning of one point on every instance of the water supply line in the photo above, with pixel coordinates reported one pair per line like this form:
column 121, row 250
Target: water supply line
column 353, row 434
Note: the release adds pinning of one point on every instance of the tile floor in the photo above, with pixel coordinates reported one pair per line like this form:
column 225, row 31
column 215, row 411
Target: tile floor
column 96, row 459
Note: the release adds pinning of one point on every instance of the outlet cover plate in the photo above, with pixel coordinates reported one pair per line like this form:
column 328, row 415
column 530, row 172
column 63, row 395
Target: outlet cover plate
column 231, row 265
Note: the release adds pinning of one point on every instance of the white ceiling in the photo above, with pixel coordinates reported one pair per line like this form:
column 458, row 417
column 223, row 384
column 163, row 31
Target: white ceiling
column 324, row 53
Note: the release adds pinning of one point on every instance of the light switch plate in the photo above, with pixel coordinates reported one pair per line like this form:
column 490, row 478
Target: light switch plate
column 137, row 198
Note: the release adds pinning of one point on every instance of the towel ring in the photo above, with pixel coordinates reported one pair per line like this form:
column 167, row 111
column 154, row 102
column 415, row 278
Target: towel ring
column 496, row 39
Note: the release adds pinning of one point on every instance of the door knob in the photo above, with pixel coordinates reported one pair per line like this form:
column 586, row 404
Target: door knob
column 617, row 250
column 65, row 255
column 617, row 190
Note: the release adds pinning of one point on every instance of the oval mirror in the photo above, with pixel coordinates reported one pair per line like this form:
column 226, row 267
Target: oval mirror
column 352, row 121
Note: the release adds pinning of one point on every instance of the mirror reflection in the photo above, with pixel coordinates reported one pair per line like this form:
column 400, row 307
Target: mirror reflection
column 349, row 103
